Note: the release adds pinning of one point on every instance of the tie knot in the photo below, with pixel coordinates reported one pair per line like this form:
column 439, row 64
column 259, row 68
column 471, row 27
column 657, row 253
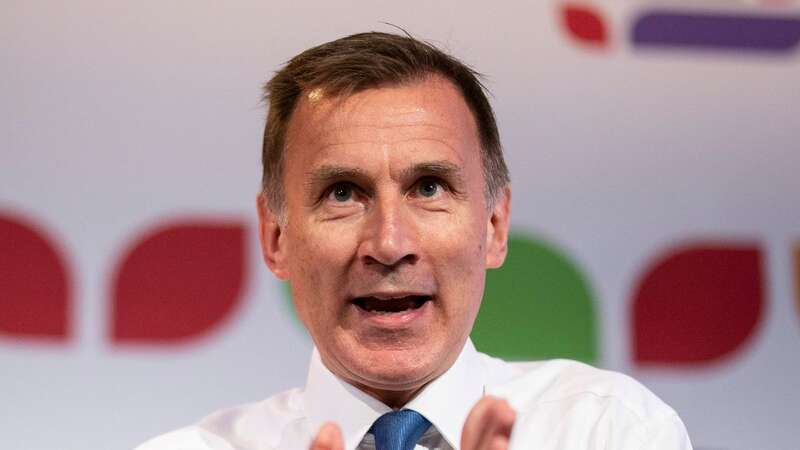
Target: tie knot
column 399, row 430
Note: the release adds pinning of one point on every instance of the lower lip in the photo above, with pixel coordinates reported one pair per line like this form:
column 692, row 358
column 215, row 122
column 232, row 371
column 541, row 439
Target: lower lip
column 394, row 320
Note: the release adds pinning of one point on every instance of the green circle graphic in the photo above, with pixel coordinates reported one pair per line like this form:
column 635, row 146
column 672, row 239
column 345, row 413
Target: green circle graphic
column 538, row 305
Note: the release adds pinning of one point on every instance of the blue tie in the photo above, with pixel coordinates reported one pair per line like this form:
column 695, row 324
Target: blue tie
column 399, row 430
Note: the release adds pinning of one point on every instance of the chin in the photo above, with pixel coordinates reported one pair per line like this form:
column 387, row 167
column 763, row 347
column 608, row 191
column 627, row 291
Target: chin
column 394, row 363
column 397, row 371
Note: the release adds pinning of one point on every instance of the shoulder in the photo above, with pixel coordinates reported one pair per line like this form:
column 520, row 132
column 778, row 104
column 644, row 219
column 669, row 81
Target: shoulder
column 577, row 404
column 188, row 438
column 535, row 383
column 253, row 425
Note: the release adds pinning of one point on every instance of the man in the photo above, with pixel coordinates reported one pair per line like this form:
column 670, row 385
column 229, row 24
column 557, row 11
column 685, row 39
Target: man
column 385, row 199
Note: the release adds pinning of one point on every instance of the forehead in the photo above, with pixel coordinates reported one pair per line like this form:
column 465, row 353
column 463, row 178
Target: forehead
column 429, row 115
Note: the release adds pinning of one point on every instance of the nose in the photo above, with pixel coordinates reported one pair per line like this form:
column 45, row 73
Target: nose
column 390, row 237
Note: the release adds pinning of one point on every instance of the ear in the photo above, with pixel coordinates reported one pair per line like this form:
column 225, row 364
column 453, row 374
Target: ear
column 270, row 233
column 497, row 230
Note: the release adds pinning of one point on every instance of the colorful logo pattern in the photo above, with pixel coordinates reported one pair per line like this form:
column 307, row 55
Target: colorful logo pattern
column 696, row 304
column 716, row 31
column 35, row 284
column 741, row 28
column 175, row 282
column 178, row 281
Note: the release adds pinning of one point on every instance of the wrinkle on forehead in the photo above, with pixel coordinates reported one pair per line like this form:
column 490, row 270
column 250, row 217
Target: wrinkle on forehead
column 381, row 140
column 381, row 111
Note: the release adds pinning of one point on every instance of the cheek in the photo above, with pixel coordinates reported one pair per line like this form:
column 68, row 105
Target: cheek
column 318, row 263
column 458, row 258
column 461, row 240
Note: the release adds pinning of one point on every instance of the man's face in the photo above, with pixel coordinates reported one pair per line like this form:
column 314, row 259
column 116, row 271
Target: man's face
column 387, row 234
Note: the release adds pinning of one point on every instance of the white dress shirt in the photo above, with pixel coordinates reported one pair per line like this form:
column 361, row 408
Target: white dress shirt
column 560, row 404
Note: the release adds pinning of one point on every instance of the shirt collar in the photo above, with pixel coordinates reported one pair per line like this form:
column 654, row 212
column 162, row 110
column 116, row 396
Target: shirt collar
column 445, row 401
column 328, row 398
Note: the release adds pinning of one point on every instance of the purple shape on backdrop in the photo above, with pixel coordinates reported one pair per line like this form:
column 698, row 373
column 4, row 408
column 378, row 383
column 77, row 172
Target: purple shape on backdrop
column 716, row 31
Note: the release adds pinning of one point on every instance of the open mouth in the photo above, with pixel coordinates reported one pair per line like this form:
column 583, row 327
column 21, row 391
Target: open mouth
column 391, row 305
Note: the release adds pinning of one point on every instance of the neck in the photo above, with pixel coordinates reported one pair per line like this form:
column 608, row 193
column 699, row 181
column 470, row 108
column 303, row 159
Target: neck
column 392, row 399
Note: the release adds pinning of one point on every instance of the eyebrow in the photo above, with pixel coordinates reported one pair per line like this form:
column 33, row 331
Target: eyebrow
column 325, row 175
column 442, row 169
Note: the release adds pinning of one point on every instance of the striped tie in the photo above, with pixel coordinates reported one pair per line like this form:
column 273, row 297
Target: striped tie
column 399, row 430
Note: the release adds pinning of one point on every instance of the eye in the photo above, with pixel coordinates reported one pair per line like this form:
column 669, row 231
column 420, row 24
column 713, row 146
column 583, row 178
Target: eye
column 341, row 192
column 428, row 187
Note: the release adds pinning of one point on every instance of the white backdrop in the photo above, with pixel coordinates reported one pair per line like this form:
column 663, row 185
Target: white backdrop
column 118, row 117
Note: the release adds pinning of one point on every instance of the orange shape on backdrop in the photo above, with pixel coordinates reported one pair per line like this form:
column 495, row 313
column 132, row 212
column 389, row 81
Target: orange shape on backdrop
column 584, row 24
column 34, row 285
column 697, row 305
column 797, row 276
column 178, row 282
